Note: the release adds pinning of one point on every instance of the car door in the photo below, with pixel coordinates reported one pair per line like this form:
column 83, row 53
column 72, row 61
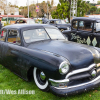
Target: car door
column 13, row 51
column 72, row 35
column 2, row 43
column 84, row 33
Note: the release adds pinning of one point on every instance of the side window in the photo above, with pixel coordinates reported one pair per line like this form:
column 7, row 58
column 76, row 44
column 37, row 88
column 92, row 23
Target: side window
column 22, row 21
column 85, row 25
column 75, row 24
column 13, row 37
column 3, row 35
column 17, row 22
column 52, row 22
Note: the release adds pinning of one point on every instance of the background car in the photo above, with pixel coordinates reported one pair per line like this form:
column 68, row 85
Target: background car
column 85, row 30
column 60, row 24
column 56, row 64
column 24, row 21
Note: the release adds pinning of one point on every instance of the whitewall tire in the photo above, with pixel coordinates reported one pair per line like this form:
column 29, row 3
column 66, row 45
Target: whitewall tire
column 40, row 80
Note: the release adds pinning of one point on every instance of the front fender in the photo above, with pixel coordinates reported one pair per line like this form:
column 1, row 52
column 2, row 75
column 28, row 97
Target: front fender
column 45, row 61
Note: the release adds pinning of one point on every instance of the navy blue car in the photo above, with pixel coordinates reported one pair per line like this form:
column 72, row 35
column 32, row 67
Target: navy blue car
column 44, row 53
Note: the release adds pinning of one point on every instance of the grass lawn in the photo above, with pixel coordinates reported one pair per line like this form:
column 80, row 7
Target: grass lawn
column 10, row 81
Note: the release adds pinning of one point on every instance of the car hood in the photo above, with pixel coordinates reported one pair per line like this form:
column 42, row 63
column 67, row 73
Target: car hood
column 76, row 54
column 64, row 25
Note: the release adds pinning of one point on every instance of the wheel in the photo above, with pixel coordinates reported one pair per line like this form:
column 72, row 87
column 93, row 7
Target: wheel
column 61, row 30
column 40, row 79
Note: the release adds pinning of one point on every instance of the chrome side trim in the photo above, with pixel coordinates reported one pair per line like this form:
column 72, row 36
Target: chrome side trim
column 79, row 71
column 59, row 81
column 83, row 84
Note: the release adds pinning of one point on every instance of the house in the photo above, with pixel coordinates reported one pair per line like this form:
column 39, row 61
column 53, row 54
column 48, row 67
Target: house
column 98, row 6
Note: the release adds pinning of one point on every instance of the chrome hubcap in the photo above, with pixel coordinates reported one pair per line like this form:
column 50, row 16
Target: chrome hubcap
column 42, row 76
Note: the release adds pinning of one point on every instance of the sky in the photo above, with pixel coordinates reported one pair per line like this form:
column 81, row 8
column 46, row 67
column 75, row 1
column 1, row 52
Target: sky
column 24, row 2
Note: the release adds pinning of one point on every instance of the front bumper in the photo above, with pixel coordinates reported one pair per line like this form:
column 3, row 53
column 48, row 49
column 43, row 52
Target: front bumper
column 61, row 87
column 77, row 88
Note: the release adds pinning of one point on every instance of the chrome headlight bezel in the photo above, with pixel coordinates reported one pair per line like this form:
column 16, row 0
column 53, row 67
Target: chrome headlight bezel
column 64, row 67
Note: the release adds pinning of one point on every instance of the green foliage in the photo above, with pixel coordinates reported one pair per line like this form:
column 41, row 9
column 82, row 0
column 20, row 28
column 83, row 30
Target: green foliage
column 10, row 81
column 98, row 2
column 82, row 8
column 93, row 9
column 5, row 24
column 97, row 11
column 30, row 14
column 63, row 9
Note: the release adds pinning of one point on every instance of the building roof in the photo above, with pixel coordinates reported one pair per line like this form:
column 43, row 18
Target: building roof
column 97, row 5
column 12, row 16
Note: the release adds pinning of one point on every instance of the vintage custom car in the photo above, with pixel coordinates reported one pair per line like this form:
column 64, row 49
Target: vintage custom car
column 56, row 64
column 24, row 21
column 85, row 30
column 60, row 24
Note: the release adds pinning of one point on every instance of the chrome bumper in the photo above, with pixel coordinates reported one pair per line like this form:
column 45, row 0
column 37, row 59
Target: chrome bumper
column 76, row 89
column 63, row 83
column 59, row 87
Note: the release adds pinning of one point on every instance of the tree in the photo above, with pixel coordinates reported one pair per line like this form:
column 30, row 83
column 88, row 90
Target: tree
column 23, row 11
column 82, row 8
column 63, row 9
column 98, row 2
column 3, row 4
column 93, row 9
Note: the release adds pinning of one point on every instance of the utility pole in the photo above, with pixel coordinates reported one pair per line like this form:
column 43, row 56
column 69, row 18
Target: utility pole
column 7, row 10
column 28, row 7
column 47, row 10
column 37, row 11
column 73, row 9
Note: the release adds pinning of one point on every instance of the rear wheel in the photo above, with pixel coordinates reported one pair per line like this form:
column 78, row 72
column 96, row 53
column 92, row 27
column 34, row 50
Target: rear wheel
column 40, row 79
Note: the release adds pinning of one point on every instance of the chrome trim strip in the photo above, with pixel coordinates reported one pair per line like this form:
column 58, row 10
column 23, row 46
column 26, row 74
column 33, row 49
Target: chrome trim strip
column 80, row 84
column 59, row 81
column 79, row 71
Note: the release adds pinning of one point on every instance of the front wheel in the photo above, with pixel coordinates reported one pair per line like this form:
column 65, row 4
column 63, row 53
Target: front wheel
column 40, row 79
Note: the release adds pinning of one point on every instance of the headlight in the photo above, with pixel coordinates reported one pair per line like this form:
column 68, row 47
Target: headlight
column 64, row 67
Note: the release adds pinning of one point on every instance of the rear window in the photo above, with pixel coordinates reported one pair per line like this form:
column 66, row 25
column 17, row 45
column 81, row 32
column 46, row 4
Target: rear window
column 85, row 25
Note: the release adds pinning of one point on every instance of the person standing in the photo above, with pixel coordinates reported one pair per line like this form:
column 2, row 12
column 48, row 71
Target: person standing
column 0, row 23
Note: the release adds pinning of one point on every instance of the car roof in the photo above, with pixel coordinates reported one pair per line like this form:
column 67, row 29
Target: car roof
column 22, row 26
column 24, row 19
column 86, row 18
column 54, row 19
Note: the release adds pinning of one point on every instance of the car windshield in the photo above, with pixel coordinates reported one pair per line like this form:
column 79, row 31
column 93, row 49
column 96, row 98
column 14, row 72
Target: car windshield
column 60, row 22
column 41, row 34
column 30, row 21
column 54, row 33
